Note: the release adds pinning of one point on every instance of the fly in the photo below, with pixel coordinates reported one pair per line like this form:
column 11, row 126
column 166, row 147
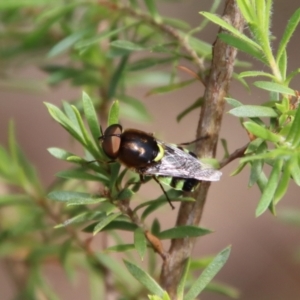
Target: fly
column 166, row 163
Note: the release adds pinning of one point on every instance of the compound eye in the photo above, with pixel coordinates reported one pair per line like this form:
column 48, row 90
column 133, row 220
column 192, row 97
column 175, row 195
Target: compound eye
column 111, row 140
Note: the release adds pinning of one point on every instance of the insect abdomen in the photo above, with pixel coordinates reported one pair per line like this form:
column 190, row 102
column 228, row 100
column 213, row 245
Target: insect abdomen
column 182, row 184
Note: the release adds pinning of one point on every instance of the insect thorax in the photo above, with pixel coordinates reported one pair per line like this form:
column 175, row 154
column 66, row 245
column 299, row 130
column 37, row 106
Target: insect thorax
column 138, row 149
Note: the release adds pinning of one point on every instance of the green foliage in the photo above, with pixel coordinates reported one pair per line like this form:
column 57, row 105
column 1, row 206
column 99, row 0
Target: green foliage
column 281, row 126
column 98, row 42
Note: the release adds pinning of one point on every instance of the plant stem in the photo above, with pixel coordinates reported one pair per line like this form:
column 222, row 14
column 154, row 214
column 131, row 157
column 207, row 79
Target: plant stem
column 209, row 125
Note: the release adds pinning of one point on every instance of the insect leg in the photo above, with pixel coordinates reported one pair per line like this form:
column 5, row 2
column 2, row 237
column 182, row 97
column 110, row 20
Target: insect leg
column 196, row 140
column 164, row 192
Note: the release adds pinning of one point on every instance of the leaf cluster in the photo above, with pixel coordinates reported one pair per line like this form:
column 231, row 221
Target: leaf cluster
column 273, row 126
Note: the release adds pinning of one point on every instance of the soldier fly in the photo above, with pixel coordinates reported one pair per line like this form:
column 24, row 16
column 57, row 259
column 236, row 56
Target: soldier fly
column 166, row 163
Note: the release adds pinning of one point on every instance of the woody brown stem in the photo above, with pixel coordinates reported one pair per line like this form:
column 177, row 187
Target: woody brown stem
column 209, row 125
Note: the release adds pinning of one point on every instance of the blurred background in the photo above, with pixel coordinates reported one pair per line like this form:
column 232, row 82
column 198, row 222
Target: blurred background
column 263, row 262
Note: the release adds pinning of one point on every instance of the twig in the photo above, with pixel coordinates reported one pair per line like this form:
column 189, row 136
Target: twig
column 152, row 239
column 172, row 32
column 209, row 125
column 236, row 154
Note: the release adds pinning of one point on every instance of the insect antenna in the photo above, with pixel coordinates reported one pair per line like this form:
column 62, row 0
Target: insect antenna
column 166, row 195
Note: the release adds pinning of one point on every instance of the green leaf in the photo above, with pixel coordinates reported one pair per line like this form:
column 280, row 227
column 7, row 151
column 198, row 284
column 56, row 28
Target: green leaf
column 155, row 228
column 221, row 22
column 233, row 102
column 195, row 105
column 181, row 232
column 274, row 87
column 60, row 153
column 74, row 197
column 16, row 4
column 148, row 62
column 151, row 6
column 125, row 194
column 105, row 221
column 208, row 274
column 140, row 242
column 170, row 87
column 294, row 134
column 85, row 216
column 105, row 34
column 181, row 285
column 283, row 183
column 253, row 111
column 248, row 10
column 113, row 115
column 282, row 64
column 256, row 169
column 243, row 46
column 289, row 31
column 255, row 74
column 203, row 49
column 295, row 169
column 91, row 116
column 127, row 45
column 270, row 188
column 134, row 109
column 292, row 75
column 81, row 175
column 117, row 77
column 174, row 22
column 114, row 225
column 89, row 144
column 60, row 117
column 66, row 43
column 117, row 269
column 15, row 199
column 120, row 248
column 144, row 278
column 262, row 132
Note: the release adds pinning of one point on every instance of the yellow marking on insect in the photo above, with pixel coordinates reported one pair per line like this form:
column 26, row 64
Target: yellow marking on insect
column 161, row 153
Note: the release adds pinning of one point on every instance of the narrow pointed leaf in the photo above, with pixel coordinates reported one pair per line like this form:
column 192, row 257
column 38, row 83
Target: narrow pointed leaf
column 294, row 134
column 274, row 87
column 243, row 46
column 144, row 278
column 270, row 188
column 60, row 153
column 113, row 116
column 61, row 118
column 140, row 242
column 127, row 45
column 120, row 248
column 208, row 274
column 195, row 105
column 283, row 184
column 105, row 222
column 91, row 116
column 255, row 74
column 253, row 111
column 73, row 197
column 295, row 169
column 182, row 282
column 262, row 132
column 221, row 22
column 180, row 232
column 79, row 174
column 289, row 30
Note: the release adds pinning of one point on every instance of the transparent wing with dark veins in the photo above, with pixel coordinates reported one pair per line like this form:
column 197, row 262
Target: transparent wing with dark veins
column 178, row 163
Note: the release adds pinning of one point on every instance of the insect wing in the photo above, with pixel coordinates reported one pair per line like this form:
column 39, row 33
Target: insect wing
column 178, row 163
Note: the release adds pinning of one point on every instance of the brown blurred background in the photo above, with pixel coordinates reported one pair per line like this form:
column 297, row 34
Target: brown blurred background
column 262, row 263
